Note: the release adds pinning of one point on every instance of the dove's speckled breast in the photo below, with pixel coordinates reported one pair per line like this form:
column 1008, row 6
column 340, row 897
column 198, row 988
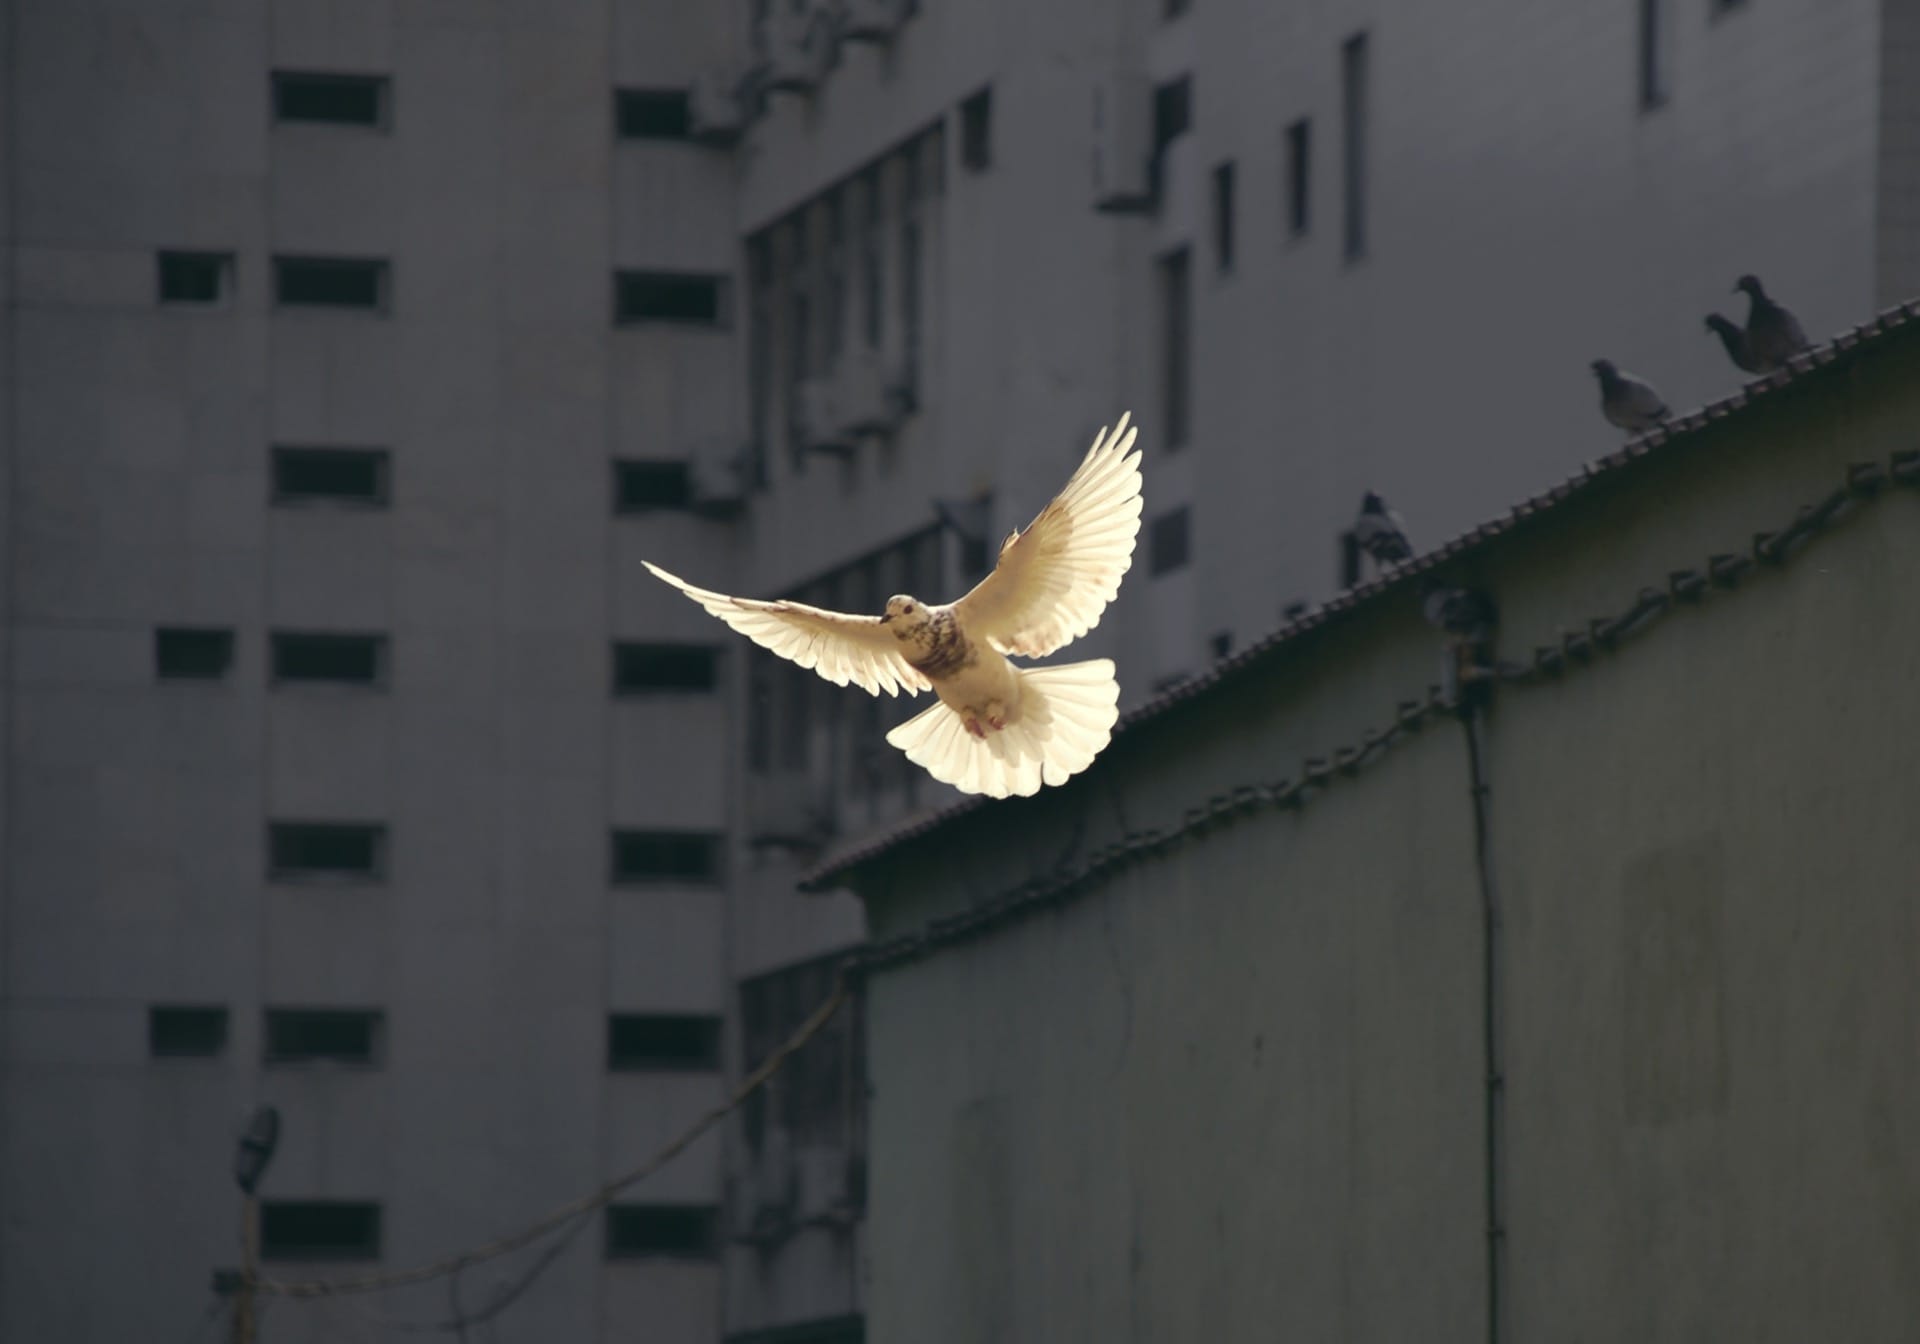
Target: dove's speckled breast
column 942, row 647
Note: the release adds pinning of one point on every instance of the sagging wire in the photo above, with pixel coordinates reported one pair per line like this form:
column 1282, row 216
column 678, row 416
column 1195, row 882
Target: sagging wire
column 575, row 1211
column 1865, row 482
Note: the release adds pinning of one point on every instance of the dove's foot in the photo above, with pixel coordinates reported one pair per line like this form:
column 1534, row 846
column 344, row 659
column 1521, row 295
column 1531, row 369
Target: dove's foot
column 973, row 726
column 996, row 721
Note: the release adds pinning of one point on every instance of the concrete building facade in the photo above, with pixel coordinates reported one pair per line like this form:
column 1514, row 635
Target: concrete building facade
column 1316, row 1007
column 356, row 351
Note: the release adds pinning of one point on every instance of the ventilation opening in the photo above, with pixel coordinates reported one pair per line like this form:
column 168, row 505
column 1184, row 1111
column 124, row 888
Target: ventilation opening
column 662, row 1231
column 186, row 1033
column 337, row 660
column 339, row 850
column 319, row 1229
column 181, row 654
column 342, row 1035
column 652, row 114
column 666, row 856
column 1168, row 542
column 194, row 277
column 639, row 669
column 356, row 476
column 1299, row 176
column 662, row 1043
column 334, row 100
column 976, row 132
column 640, row 487
column 665, row 296
column 330, row 282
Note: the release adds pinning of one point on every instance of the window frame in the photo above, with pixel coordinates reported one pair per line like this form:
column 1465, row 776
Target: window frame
column 221, row 1035
column 628, row 280
column 224, row 634
column 375, row 874
column 380, row 269
column 275, row 1018
column 281, row 455
column 280, row 78
column 709, row 1056
column 223, row 266
column 377, row 643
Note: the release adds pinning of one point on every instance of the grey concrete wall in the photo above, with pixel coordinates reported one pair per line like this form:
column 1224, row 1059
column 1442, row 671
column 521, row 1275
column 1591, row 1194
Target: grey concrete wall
column 1240, row 1087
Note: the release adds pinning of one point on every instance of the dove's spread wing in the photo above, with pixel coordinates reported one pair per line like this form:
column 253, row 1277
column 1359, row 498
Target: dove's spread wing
column 1054, row 579
column 841, row 648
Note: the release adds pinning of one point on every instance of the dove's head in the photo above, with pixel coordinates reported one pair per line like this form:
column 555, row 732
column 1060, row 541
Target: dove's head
column 905, row 614
column 1372, row 503
column 1750, row 286
column 1604, row 367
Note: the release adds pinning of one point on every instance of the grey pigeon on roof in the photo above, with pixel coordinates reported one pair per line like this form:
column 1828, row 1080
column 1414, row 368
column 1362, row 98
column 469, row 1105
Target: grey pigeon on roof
column 1626, row 401
column 1380, row 533
column 1734, row 337
column 1774, row 335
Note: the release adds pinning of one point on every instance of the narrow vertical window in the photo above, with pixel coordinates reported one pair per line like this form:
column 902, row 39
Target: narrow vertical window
column 976, row 132
column 835, row 315
column 872, row 276
column 799, row 334
column 1653, row 54
column 760, row 335
column 1299, row 177
column 1176, row 356
column 1223, row 216
column 910, row 264
column 1353, row 102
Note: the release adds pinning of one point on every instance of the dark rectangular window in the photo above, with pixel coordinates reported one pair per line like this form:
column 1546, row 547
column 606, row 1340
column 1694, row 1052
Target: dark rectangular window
column 1172, row 111
column 666, row 856
column 330, row 282
column 335, row 100
column 760, row 344
column 1719, row 7
column 1653, row 53
column 639, row 487
column 910, row 264
column 663, row 1043
column 1223, row 216
column 652, row 114
column 186, row 1033
column 195, row 277
column 668, row 296
column 1299, row 177
column 330, row 476
column 1173, row 9
column 872, row 272
column 976, row 132
column 1168, row 542
column 182, row 654
column 641, row 669
column 1176, row 354
column 338, row 660
column 1353, row 129
column 319, row 1229
column 663, row 1231
column 331, row 849
column 343, row 1035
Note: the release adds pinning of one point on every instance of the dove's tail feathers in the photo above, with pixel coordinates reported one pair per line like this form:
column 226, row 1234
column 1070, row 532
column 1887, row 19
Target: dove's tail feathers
column 1066, row 718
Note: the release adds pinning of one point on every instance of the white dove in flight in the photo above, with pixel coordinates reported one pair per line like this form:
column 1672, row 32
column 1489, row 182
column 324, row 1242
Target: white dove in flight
column 998, row 729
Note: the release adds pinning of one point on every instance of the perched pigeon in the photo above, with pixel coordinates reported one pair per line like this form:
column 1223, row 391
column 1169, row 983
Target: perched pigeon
column 1379, row 532
column 1626, row 401
column 998, row 729
column 1734, row 337
column 1774, row 335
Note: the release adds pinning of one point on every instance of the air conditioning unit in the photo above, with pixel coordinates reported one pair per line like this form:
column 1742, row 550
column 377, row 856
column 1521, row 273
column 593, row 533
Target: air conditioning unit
column 1123, row 143
column 718, row 472
column 862, row 403
column 871, row 20
column 819, row 426
column 717, row 105
column 799, row 47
